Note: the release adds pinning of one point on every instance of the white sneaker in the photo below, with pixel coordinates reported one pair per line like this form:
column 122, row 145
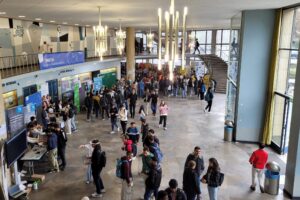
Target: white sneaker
column 112, row 132
column 159, row 125
column 87, row 182
column 103, row 191
column 118, row 129
column 96, row 195
column 165, row 128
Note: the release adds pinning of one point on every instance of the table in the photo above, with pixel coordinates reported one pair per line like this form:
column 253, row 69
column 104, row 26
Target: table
column 34, row 154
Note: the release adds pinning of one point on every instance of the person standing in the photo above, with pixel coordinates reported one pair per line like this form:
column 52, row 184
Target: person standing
column 104, row 106
column 209, row 98
column 127, row 183
column 213, row 178
column 97, row 163
column 66, row 118
column 52, row 149
column 132, row 103
column 144, row 129
column 141, row 88
column 88, row 101
column 123, row 118
column 190, row 181
column 154, row 100
column 198, row 159
column 153, row 180
column 96, row 101
column 134, row 136
column 163, row 111
column 72, row 116
column 61, row 145
column 175, row 193
column 258, row 161
column 113, row 118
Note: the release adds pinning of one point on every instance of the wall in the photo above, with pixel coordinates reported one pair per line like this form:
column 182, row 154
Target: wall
column 256, row 42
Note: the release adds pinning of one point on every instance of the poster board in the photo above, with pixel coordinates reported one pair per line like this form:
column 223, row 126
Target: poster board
column 109, row 77
column 77, row 97
column 29, row 111
column 35, row 99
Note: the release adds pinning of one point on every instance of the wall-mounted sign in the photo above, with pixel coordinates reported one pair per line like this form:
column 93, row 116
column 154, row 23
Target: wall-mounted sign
column 52, row 60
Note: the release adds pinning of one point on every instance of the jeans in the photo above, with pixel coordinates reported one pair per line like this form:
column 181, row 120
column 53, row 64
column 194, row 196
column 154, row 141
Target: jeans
column 126, row 104
column 62, row 154
column 212, row 192
column 132, row 110
column 97, row 111
column 183, row 92
column 209, row 103
column 104, row 109
column 98, row 181
column 73, row 125
column 89, row 173
column 134, row 149
column 149, row 192
column 259, row 173
column 126, row 192
column 53, row 159
column 113, row 123
column 175, row 92
column 123, row 125
column 141, row 93
column 163, row 118
column 153, row 108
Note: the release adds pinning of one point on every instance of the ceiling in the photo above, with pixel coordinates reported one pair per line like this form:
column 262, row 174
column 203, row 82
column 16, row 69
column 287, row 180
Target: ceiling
column 141, row 14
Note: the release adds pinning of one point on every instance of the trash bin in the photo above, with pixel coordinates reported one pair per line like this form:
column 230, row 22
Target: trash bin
column 272, row 178
column 228, row 133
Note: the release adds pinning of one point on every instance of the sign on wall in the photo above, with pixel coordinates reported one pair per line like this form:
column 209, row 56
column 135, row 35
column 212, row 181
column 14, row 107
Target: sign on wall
column 52, row 60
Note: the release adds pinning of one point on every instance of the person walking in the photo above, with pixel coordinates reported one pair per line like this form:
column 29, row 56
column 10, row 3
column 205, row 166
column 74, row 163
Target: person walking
column 134, row 136
column 163, row 111
column 258, row 161
column 127, row 183
column 144, row 129
column 123, row 118
column 142, row 112
column 213, row 178
column 72, row 116
column 209, row 98
column 113, row 118
column 132, row 103
column 154, row 100
column 190, row 181
column 141, row 88
column 175, row 193
column 98, row 162
column 196, row 47
column 153, row 180
column 198, row 159
column 61, row 145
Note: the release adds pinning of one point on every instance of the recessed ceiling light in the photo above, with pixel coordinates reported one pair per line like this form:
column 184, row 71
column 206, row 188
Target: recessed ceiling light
column 2, row 13
column 22, row 16
column 52, row 21
column 65, row 22
column 38, row 19
column 87, row 25
column 76, row 24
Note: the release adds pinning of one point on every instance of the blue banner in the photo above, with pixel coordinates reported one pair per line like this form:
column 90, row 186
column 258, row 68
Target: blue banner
column 52, row 60
column 35, row 99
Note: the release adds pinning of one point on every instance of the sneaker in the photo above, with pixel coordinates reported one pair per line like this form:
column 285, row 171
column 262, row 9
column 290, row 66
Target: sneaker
column 75, row 131
column 204, row 110
column 118, row 129
column 112, row 132
column 96, row 195
column 103, row 191
column 133, row 158
column 165, row 128
column 262, row 189
column 87, row 182
column 252, row 188
column 159, row 126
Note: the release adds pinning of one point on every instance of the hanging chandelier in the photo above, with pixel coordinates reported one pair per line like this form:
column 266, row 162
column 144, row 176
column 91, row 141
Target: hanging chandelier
column 120, row 40
column 150, row 38
column 100, row 38
column 171, row 38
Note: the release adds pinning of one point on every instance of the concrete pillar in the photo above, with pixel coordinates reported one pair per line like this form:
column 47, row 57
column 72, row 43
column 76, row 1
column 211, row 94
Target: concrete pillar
column 130, row 53
column 213, row 41
column 292, row 174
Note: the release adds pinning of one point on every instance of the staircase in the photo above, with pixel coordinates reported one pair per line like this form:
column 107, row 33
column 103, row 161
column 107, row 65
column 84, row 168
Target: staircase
column 217, row 68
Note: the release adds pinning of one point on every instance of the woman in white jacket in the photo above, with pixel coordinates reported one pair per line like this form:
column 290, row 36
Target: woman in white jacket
column 123, row 118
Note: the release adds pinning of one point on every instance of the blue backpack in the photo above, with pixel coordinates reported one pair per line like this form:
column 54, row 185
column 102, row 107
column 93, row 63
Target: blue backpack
column 157, row 152
column 119, row 168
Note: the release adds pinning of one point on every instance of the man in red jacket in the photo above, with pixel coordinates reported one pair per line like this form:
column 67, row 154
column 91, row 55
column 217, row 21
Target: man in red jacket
column 258, row 161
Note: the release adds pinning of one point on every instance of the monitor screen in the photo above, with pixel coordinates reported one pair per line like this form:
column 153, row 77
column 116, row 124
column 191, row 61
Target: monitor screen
column 15, row 147
column 15, row 120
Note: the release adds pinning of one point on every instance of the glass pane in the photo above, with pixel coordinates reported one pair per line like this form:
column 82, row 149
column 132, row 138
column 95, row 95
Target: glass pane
column 219, row 36
column 278, row 119
column 292, row 73
column 201, row 36
column 296, row 30
column 208, row 37
column 202, row 49
column 218, row 50
column 286, row 28
column 208, row 49
column 226, row 36
column 282, row 73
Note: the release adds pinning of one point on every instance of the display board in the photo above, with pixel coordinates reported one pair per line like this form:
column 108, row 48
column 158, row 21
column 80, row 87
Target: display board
column 109, row 77
column 97, row 83
column 77, row 97
column 35, row 99
column 29, row 111
column 15, row 120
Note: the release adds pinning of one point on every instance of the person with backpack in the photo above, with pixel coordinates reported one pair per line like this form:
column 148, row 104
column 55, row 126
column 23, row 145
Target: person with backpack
column 175, row 193
column 113, row 119
column 98, row 162
column 127, row 142
column 190, row 181
column 155, row 150
column 132, row 103
column 196, row 156
column 123, row 118
column 209, row 98
column 163, row 112
column 61, row 145
column 153, row 180
column 104, row 106
column 88, row 102
column 213, row 178
column 134, row 136
column 124, row 172
column 196, row 47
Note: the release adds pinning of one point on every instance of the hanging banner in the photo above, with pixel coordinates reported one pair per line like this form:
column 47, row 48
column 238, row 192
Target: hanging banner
column 77, row 97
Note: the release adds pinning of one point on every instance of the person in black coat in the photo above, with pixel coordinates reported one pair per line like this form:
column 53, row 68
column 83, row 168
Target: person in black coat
column 132, row 103
column 61, row 145
column 190, row 181
column 153, row 180
column 98, row 161
column 88, row 101
column 174, row 192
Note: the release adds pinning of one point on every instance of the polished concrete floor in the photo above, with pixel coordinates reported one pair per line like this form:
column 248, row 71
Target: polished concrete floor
column 188, row 126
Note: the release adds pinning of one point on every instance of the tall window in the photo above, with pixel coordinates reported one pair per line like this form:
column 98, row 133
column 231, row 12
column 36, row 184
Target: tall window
column 223, row 44
column 204, row 39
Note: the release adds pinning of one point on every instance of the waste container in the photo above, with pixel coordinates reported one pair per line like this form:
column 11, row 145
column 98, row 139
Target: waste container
column 272, row 178
column 228, row 130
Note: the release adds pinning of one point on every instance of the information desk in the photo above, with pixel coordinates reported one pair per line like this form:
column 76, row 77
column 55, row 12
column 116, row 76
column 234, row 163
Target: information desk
column 34, row 154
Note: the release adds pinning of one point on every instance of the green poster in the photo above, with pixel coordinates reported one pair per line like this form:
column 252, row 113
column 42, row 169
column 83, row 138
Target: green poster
column 109, row 77
column 76, row 97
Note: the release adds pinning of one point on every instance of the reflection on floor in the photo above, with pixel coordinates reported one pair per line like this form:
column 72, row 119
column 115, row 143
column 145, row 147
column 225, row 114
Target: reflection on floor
column 188, row 126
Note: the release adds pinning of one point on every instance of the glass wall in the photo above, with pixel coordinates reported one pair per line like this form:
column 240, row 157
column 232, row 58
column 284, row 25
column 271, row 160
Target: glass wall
column 205, row 39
